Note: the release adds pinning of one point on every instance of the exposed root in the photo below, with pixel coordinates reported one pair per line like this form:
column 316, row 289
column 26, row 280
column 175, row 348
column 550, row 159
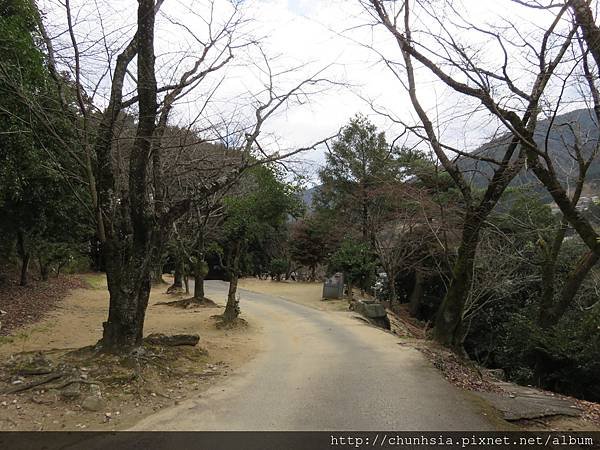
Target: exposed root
column 223, row 324
column 34, row 383
column 175, row 290
column 160, row 339
column 192, row 302
column 74, row 380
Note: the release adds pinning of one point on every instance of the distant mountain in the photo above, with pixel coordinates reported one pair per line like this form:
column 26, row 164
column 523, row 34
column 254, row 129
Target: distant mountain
column 308, row 196
column 559, row 138
column 557, row 135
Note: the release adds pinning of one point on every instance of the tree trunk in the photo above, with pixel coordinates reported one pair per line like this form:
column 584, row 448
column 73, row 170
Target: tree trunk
column 59, row 268
column 200, row 272
column 157, row 272
column 551, row 310
column 549, row 274
column 44, row 269
column 391, row 274
column 232, row 309
column 350, row 290
column 25, row 257
column 178, row 278
column 448, row 324
column 584, row 17
column 129, row 293
column 365, row 218
column 24, row 269
column 198, row 286
column 177, row 285
column 416, row 296
column 128, row 259
column 552, row 315
column 97, row 262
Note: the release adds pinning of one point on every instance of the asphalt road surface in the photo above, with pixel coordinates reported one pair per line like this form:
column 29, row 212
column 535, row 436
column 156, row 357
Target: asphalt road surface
column 324, row 371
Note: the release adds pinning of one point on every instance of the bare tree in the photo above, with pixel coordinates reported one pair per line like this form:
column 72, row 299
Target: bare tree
column 410, row 231
column 133, row 207
column 517, row 109
column 551, row 309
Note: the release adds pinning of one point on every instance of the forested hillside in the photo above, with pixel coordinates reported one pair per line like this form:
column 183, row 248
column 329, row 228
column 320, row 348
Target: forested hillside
column 558, row 135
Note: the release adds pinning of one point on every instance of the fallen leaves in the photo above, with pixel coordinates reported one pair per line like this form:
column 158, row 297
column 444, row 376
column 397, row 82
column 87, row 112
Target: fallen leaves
column 23, row 305
column 591, row 411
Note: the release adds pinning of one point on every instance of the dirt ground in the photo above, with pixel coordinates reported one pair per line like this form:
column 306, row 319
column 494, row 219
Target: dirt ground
column 304, row 293
column 77, row 322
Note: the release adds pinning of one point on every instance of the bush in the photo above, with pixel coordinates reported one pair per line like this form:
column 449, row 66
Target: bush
column 356, row 261
column 569, row 355
column 278, row 267
column 564, row 359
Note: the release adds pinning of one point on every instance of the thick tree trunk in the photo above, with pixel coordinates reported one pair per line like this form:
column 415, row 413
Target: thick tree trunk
column 129, row 293
column 448, row 324
column 128, row 280
column 198, row 285
column 128, row 259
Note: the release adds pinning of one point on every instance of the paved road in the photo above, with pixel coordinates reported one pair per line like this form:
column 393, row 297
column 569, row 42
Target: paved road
column 324, row 371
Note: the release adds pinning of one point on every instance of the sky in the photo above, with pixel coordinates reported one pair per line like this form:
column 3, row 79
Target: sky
column 331, row 36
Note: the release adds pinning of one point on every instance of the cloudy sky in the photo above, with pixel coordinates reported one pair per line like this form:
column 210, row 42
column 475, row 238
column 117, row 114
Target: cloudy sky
column 307, row 35
column 337, row 33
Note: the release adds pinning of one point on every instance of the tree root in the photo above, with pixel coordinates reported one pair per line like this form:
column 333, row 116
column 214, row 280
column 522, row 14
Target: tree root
column 230, row 324
column 172, row 341
column 32, row 384
column 74, row 380
column 175, row 290
column 191, row 303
